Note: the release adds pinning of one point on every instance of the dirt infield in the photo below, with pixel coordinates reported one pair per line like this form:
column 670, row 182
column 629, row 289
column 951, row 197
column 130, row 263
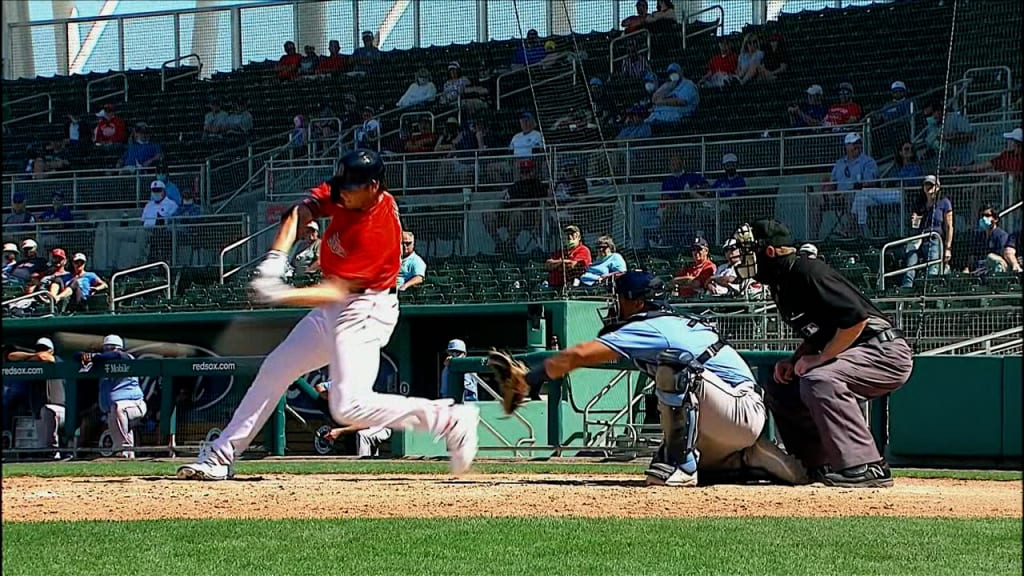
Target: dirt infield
column 30, row 499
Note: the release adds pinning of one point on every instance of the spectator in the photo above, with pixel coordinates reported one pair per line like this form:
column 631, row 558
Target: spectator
column 604, row 106
column 422, row 91
column 750, row 60
column 775, row 62
column 846, row 111
column 692, row 279
column 609, row 263
column 288, row 64
column 239, row 122
column 110, row 128
column 50, row 158
column 141, row 152
column 52, row 413
column 528, row 141
column 724, row 281
column 19, row 216
column 334, row 62
column 949, row 136
column 368, row 439
column 366, row 56
column 1008, row 161
column 306, row 253
column 722, row 66
column 368, row 134
column 310, row 61
column 1011, row 251
column 571, row 185
column 900, row 106
column 570, row 261
column 575, row 126
column 455, row 85
column 31, row 265
column 476, row 98
column 551, row 54
column 634, row 128
column 639, row 20
column 413, row 270
column 467, row 140
column 731, row 183
column 809, row 250
column 635, row 64
column 297, row 137
column 906, row 170
column 170, row 188
column 530, row 51
column 120, row 397
column 810, row 112
column 217, row 122
column 988, row 250
column 664, row 17
column 678, row 185
column 58, row 211
column 470, row 381
column 188, row 207
column 78, row 285
column 520, row 217
column 159, row 209
column 859, row 172
column 929, row 212
column 350, row 115
column 421, row 139
column 10, row 257
column 446, row 141
column 675, row 100
column 77, row 134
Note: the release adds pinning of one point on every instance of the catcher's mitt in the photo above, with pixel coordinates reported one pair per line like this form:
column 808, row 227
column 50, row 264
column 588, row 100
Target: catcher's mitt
column 511, row 376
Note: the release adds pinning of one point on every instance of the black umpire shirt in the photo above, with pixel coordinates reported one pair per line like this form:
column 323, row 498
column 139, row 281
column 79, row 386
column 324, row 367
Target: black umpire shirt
column 816, row 301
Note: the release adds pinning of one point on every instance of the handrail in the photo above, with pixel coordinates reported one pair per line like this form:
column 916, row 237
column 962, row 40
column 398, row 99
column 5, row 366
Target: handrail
column 48, row 111
column 48, row 296
column 224, row 203
column 122, row 92
column 224, row 275
column 882, row 274
column 164, row 80
column 497, row 83
column 611, row 47
column 1010, row 209
column 115, row 299
column 1004, row 91
column 529, row 427
column 972, row 341
column 686, row 20
column 611, row 423
column 990, row 349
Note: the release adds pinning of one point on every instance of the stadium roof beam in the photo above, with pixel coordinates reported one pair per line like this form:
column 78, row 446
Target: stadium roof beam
column 81, row 53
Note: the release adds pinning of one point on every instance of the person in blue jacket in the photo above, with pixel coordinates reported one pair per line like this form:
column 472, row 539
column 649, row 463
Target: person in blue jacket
column 121, row 399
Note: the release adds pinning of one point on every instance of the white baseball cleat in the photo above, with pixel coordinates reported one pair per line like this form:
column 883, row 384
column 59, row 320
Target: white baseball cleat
column 206, row 467
column 461, row 438
column 662, row 474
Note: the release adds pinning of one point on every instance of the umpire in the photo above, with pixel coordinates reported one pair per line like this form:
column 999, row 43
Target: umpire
column 850, row 352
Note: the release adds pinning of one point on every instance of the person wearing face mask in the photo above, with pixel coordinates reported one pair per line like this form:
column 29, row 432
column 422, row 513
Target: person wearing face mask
column 635, row 64
column 608, row 264
column 470, row 381
column 675, row 100
column 422, row 91
column 188, row 207
column 141, row 152
column 160, row 207
column 731, row 183
column 170, row 188
column 949, row 135
column 570, row 261
column 900, row 106
column 988, row 250
column 809, row 112
column 850, row 352
column 932, row 212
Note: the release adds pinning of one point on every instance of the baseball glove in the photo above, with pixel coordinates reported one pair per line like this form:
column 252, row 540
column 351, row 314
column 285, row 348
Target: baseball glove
column 511, row 376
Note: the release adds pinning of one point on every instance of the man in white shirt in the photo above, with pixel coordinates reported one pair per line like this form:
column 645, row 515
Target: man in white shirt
column 422, row 91
column 528, row 142
column 159, row 207
column 368, row 133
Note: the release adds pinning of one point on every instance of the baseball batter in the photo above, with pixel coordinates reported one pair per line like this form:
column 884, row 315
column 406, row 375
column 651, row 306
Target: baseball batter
column 711, row 413
column 355, row 312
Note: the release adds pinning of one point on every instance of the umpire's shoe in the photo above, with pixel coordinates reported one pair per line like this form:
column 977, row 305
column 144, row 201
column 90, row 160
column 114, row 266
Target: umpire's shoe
column 873, row 475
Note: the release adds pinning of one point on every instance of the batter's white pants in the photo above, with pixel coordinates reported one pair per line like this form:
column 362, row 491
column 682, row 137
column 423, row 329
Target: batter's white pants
column 348, row 336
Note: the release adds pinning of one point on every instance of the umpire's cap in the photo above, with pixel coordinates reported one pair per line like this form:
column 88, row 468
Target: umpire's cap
column 357, row 168
column 639, row 285
column 772, row 233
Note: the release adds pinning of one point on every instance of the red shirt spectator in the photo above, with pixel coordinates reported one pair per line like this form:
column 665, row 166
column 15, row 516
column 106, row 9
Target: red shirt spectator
column 288, row 65
column 110, row 128
column 1009, row 160
column 638, row 21
column 846, row 111
column 333, row 63
column 574, row 259
column 691, row 280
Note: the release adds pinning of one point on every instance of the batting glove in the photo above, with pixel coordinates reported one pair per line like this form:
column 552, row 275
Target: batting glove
column 267, row 286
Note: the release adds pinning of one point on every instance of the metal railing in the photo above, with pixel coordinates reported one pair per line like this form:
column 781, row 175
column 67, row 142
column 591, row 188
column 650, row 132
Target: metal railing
column 533, row 85
column 87, row 189
column 114, row 299
column 1003, row 92
column 530, row 440
column 612, row 59
column 34, row 295
column 986, row 339
column 123, row 92
column 48, row 112
column 165, row 80
column 718, row 25
column 247, row 243
column 931, row 235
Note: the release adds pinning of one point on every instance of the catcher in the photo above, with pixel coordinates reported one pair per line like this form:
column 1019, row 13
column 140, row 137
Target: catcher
column 711, row 413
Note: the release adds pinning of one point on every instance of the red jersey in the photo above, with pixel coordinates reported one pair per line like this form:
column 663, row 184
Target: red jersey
column 843, row 114
column 701, row 272
column 331, row 64
column 363, row 246
column 1008, row 162
column 578, row 254
column 110, row 130
column 725, row 64
column 288, row 66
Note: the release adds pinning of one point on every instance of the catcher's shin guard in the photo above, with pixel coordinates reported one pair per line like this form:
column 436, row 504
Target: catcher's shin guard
column 677, row 380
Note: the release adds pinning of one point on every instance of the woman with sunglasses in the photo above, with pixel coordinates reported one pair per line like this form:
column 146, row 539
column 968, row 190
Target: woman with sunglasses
column 906, row 169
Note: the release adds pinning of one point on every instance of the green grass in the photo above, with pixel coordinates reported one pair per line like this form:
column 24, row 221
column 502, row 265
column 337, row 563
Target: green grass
column 350, row 466
column 692, row 547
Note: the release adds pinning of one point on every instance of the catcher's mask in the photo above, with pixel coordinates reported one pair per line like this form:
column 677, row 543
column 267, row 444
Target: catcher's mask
column 753, row 241
column 635, row 285
column 355, row 170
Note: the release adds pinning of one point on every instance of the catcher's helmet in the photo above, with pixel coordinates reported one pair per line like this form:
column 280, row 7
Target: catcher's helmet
column 640, row 285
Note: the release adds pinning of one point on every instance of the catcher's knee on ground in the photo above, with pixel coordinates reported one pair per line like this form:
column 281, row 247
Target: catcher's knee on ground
column 761, row 462
column 676, row 381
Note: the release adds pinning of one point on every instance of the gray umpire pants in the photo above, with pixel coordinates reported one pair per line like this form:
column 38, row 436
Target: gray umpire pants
column 819, row 418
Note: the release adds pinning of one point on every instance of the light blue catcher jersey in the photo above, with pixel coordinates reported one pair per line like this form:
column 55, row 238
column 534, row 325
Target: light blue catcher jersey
column 641, row 341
